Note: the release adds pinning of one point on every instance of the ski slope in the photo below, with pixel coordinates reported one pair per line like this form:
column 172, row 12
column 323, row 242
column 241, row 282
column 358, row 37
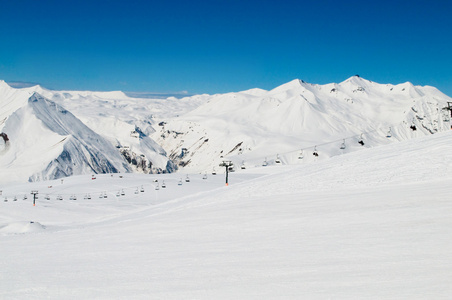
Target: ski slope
column 371, row 224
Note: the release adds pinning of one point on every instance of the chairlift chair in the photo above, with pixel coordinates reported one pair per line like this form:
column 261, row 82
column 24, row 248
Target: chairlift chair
column 142, row 189
column 123, row 193
column 15, row 198
column 277, row 160
column 265, row 163
column 180, row 182
column 187, row 179
column 343, row 145
column 389, row 134
column 136, row 191
column 163, row 184
column 157, row 187
column 315, row 153
column 243, row 165
column 361, row 141
column 413, row 126
column 300, row 155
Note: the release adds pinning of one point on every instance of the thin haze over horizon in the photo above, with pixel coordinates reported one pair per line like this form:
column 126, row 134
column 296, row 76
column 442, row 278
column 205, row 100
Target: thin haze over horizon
column 196, row 47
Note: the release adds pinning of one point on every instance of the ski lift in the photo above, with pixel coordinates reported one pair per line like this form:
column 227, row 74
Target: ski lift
column 277, row 160
column 73, row 197
column 142, row 189
column 15, row 198
column 389, row 134
column 163, row 184
column 105, row 195
column 315, row 153
column 180, row 182
column 157, row 187
column 300, row 155
column 205, row 176
column 5, row 200
column 118, row 194
column 136, row 191
column 59, row 198
column 243, row 165
column 47, row 197
column 343, row 145
column 93, row 177
column 25, row 197
column 361, row 141
column 101, row 196
column 187, row 179
column 265, row 163
column 214, row 172
column 123, row 193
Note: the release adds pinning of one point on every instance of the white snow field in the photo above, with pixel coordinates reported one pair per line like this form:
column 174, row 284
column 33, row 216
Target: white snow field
column 372, row 224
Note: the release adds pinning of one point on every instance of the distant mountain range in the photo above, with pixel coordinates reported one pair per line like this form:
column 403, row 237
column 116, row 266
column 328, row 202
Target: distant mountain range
column 48, row 134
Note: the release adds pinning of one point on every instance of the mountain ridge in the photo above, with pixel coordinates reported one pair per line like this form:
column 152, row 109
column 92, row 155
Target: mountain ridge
column 194, row 134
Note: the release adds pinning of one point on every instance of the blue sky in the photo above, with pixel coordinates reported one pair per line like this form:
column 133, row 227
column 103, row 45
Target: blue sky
column 223, row 46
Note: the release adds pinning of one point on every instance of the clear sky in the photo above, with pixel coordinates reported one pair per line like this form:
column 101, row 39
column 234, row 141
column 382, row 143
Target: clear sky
column 218, row 46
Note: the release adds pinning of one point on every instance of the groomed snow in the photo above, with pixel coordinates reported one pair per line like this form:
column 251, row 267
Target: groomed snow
column 373, row 224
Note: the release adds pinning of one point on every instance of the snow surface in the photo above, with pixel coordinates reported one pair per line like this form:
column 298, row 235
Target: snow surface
column 372, row 224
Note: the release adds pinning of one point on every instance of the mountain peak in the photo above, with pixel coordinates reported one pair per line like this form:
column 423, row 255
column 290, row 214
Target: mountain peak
column 36, row 97
column 356, row 79
column 3, row 84
column 291, row 85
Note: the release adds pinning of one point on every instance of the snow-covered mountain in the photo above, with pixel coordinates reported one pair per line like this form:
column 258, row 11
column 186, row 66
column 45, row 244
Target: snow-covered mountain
column 48, row 142
column 292, row 121
column 50, row 134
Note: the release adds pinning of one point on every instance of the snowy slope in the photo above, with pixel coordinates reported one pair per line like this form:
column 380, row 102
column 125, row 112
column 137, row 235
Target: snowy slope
column 108, row 122
column 373, row 224
column 253, row 127
column 47, row 142
column 195, row 134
